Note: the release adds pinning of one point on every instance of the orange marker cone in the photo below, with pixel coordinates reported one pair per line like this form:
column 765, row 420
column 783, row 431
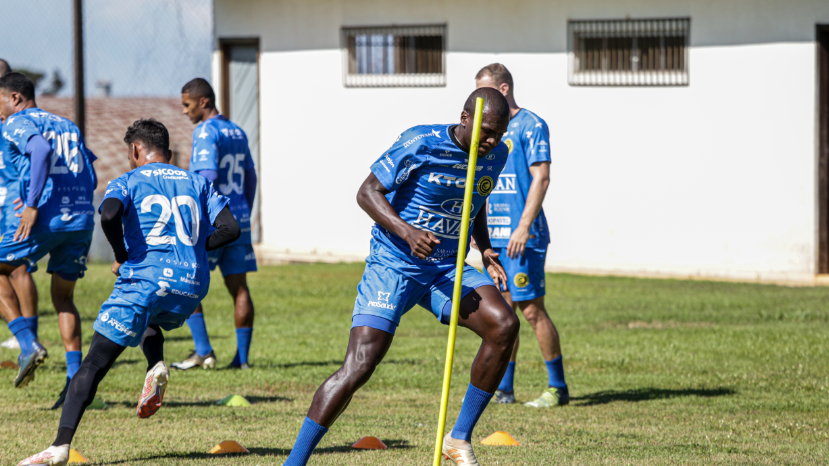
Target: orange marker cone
column 500, row 438
column 9, row 365
column 75, row 457
column 369, row 443
column 228, row 446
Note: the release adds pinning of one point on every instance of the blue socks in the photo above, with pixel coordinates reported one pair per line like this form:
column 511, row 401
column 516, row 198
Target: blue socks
column 473, row 406
column 199, row 332
column 243, row 336
column 308, row 438
column 32, row 322
column 509, row 376
column 73, row 363
column 20, row 328
column 555, row 373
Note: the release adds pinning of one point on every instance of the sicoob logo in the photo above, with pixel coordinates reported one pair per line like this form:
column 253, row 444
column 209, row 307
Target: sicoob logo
column 485, row 186
column 521, row 280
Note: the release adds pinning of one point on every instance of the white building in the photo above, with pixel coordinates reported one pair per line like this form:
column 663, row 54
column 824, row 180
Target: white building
column 712, row 172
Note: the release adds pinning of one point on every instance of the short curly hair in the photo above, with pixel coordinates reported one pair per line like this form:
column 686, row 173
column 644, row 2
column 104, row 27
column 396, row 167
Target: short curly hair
column 150, row 133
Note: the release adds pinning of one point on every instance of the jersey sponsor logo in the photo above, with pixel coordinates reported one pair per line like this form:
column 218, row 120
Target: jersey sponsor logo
column 500, row 232
column 485, row 186
column 163, row 286
column 497, row 220
column 439, row 223
column 509, row 144
column 383, row 163
column 463, row 166
column 446, row 180
column 105, row 317
column 382, row 296
column 203, row 134
column 168, row 272
column 388, row 159
column 505, row 184
column 413, row 140
column 404, row 175
column 521, row 280
column 166, row 173
column 454, row 206
column 497, row 207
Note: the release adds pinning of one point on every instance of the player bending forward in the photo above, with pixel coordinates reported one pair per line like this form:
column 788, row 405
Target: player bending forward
column 162, row 272
column 415, row 193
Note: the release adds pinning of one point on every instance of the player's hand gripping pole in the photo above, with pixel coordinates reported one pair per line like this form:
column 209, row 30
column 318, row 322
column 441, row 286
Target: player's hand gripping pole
column 456, row 294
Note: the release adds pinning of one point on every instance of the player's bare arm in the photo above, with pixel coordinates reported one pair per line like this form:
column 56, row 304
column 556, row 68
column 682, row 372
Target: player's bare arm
column 372, row 199
column 540, row 172
column 492, row 264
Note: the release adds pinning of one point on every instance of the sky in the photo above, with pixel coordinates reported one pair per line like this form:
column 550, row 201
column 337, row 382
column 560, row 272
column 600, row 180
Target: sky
column 144, row 48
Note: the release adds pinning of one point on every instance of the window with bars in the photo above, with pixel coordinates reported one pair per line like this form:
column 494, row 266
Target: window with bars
column 629, row 52
column 394, row 56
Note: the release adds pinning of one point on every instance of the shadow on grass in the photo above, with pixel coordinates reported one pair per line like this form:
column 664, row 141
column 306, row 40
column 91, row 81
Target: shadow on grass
column 647, row 394
column 333, row 362
column 186, row 404
column 395, row 444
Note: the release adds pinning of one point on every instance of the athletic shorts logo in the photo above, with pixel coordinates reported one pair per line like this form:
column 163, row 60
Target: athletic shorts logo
column 485, row 186
column 382, row 296
column 105, row 317
column 521, row 280
column 509, row 144
column 10, row 257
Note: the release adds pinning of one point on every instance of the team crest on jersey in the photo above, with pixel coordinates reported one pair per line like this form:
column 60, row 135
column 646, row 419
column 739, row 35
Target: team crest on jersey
column 485, row 186
column 508, row 142
column 521, row 280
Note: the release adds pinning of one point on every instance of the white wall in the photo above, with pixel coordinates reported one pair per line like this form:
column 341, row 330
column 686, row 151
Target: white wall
column 714, row 179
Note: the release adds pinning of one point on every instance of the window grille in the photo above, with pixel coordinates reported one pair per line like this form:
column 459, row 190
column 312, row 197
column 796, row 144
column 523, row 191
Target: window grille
column 629, row 52
column 394, row 56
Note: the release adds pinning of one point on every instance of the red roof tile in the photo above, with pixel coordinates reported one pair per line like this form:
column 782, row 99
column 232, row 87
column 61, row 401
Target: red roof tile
column 107, row 119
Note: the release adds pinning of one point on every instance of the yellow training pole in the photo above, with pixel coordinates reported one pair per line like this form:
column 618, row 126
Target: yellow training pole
column 456, row 294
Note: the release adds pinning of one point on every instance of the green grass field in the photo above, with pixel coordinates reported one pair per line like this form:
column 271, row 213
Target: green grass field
column 661, row 372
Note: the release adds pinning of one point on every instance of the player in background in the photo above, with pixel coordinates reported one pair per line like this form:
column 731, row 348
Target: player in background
column 221, row 154
column 21, row 279
column 414, row 193
column 57, row 181
column 519, row 233
column 164, row 214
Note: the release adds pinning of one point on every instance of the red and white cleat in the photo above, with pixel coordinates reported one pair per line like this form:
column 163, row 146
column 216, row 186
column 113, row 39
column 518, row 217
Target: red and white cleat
column 52, row 456
column 459, row 452
column 154, row 387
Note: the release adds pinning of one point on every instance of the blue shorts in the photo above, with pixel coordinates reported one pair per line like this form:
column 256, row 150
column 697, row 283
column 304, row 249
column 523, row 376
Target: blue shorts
column 67, row 251
column 233, row 259
column 391, row 286
column 124, row 322
column 525, row 274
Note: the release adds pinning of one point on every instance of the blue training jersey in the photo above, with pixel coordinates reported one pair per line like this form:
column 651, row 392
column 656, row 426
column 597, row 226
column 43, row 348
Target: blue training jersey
column 9, row 189
column 167, row 215
column 220, row 145
column 426, row 174
column 528, row 140
column 66, row 202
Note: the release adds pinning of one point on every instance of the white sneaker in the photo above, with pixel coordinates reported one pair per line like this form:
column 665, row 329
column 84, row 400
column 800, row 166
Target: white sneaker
column 11, row 343
column 52, row 456
column 154, row 387
column 459, row 452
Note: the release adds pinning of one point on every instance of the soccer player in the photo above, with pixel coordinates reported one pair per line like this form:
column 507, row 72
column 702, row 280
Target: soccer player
column 414, row 193
column 164, row 214
column 519, row 233
column 57, row 181
column 21, row 279
column 221, row 154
